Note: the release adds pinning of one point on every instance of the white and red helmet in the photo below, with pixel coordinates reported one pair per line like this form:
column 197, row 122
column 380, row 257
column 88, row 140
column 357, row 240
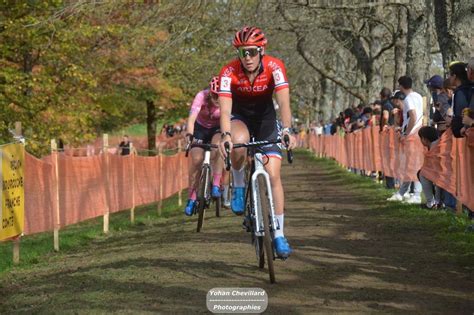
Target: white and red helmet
column 249, row 36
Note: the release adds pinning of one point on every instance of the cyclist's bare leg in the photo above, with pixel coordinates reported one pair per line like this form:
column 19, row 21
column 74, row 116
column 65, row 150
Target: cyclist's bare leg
column 273, row 168
column 240, row 134
column 197, row 157
column 217, row 163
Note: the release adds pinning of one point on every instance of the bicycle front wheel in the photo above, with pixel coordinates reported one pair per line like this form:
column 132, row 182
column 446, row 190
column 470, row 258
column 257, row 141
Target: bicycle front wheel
column 267, row 238
column 202, row 195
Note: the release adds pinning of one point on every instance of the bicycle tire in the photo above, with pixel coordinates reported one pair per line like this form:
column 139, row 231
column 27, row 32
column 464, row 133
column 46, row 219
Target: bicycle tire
column 260, row 252
column 203, row 183
column 267, row 237
column 218, row 202
column 257, row 241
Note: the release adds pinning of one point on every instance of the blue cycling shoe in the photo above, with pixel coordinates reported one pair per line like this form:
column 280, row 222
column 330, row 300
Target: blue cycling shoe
column 189, row 210
column 238, row 203
column 282, row 248
column 216, row 192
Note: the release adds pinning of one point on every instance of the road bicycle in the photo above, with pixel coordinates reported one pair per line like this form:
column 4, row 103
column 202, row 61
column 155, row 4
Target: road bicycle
column 204, row 197
column 260, row 218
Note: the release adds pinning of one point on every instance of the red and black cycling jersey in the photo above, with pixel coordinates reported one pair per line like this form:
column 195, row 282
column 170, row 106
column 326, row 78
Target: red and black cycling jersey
column 253, row 100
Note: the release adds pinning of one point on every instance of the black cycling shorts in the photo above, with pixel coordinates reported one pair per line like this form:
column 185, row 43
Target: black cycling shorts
column 263, row 130
column 203, row 134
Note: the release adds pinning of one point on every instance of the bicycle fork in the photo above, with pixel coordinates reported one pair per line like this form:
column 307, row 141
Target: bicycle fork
column 207, row 164
column 258, row 218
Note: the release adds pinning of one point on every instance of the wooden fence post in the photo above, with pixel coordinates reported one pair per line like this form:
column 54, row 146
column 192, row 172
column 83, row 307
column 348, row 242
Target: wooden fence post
column 16, row 250
column 105, row 150
column 180, row 193
column 160, row 202
column 57, row 224
column 458, row 179
column 16, row 240
column 132, row 210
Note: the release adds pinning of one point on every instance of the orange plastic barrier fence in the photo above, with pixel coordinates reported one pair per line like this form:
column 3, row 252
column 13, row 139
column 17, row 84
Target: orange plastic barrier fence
column 39, row 195
column 450, row 164
column 87, row 187
column 139, row 143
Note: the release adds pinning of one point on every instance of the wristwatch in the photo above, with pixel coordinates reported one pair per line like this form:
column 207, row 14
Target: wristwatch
column 223, row 134
column 287, row 130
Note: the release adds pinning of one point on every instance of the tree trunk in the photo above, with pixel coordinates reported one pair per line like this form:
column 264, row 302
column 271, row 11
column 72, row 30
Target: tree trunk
column 400, row 51
column 419, row 44
column 151, row 127
column 374, row 79
column 446, row 41
column 454, row 29
column 325, row 101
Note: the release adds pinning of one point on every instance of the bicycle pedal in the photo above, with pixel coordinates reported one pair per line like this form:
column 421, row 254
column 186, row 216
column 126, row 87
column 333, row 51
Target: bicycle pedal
column 246, row 225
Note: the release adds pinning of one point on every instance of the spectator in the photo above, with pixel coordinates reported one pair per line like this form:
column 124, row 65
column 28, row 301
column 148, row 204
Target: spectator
column 412, row 121
column 349, row 120
column 327, row 128
column 170, row 131
column 386, row 120
column 337, row 124
column 429, row 138
column 463, row 96
column 448, row 89
column 318, row 129
column 302, row 136
column 124, row 146
column 468, row 116
column 366, row 117
column 397, row 101
column 440, row 101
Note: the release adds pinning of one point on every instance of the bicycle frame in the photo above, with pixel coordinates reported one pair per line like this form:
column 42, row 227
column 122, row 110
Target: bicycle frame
column 206, row 163
column 259, row 170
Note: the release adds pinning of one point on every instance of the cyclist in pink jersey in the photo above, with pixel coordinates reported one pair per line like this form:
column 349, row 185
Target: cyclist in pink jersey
column 247, row 85
column 203, row 126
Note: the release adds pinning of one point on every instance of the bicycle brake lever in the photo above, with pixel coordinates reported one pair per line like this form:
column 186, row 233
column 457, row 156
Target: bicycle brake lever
column 227, row 156
column 289, row 153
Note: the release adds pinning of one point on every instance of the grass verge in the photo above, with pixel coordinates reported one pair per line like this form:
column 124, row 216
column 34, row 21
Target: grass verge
column 453, row 232
column 72, row 237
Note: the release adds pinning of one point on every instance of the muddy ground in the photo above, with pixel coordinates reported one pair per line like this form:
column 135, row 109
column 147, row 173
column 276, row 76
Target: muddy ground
column 348, row 259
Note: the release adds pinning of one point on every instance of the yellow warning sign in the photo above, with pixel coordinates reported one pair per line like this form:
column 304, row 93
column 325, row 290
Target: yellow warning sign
column 13, row 190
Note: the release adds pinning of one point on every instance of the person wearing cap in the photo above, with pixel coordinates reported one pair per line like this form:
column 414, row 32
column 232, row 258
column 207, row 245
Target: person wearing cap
column 440, row 102
column 463, row 96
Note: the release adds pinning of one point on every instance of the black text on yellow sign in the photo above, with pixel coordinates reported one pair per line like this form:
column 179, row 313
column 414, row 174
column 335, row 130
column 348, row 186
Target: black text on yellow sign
column 13, row 190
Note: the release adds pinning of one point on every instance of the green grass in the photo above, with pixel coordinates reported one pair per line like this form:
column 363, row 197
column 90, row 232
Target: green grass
column 34, row 247
column 450, row 230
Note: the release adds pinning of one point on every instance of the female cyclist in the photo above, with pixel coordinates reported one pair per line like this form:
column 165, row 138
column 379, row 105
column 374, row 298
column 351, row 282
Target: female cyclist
column 246, row 88
column 203, row 126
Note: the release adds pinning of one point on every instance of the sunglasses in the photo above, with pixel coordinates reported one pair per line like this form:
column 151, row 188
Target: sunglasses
column 252, row 52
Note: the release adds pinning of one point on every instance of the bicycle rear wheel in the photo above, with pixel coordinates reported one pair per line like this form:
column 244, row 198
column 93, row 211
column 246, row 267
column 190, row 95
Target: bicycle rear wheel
column 202, row 195
column 267, row 238
column 218, row 202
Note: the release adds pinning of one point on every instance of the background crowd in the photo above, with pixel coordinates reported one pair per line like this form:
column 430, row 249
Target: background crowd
column 450, row 110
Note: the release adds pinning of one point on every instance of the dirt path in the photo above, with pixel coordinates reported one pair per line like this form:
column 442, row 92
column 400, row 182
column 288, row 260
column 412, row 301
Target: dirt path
column 347, row 260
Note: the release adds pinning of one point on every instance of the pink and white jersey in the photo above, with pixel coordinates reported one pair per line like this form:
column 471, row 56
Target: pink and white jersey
column 208, row 113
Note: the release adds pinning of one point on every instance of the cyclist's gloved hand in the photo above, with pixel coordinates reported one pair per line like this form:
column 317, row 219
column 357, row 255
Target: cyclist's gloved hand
column 222, row 149
column 189, row 138
column 292, row 143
